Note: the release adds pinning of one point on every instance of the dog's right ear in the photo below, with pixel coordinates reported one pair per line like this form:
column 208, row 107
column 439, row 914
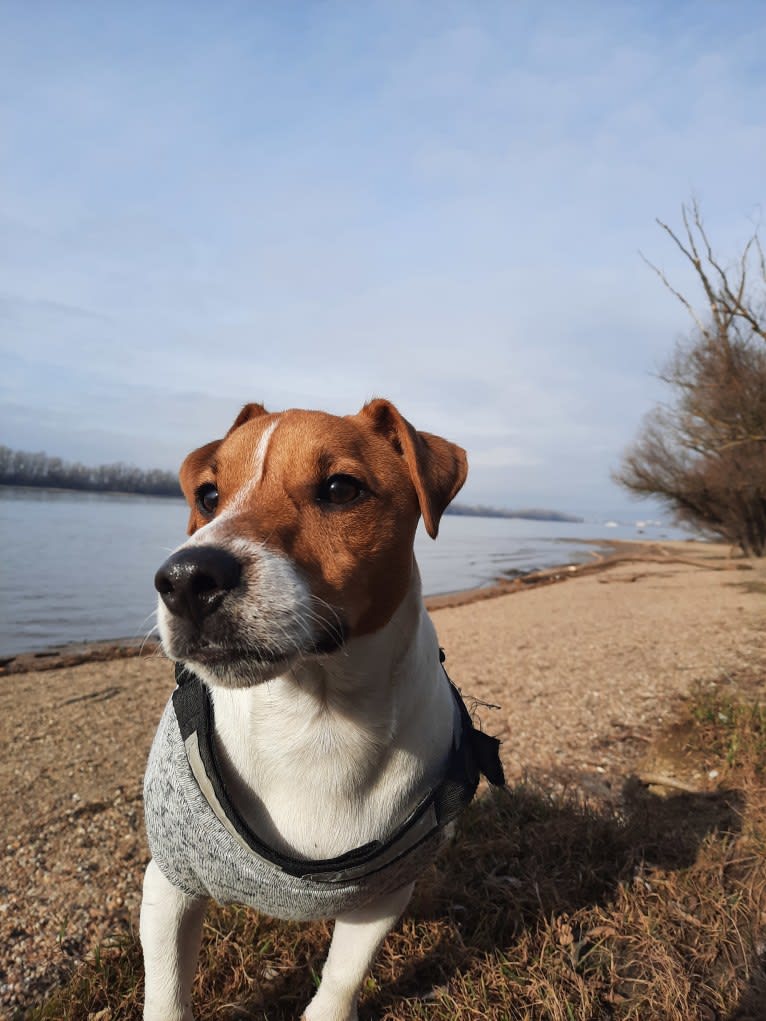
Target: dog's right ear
column 249, row 411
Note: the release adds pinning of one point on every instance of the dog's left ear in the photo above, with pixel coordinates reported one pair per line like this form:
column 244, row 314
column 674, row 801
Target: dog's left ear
column 437, row 467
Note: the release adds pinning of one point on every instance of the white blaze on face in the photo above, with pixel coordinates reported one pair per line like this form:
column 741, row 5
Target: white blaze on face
column 259, row 461
column 218, row 527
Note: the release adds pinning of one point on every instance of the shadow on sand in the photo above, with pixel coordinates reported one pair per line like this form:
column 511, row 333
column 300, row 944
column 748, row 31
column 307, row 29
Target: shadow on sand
column 522, row 858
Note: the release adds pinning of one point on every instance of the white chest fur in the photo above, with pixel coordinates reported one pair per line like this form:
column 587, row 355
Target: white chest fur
column 334, row 754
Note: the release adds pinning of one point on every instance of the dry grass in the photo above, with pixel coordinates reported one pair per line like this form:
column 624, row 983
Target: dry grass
column 544, row 908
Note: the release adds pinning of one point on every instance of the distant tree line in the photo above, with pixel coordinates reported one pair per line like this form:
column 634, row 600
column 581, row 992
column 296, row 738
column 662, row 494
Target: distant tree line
column 22, row 468
column 533, row 514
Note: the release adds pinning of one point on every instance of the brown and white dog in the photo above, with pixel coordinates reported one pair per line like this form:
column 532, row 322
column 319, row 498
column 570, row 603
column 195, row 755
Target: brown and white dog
column 297, row 601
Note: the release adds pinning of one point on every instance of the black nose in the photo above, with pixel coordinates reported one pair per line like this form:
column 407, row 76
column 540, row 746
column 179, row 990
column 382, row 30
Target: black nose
column 193, row 582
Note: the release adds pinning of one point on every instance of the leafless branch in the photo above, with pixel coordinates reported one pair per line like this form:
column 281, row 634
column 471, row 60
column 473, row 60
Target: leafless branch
column 704, row 453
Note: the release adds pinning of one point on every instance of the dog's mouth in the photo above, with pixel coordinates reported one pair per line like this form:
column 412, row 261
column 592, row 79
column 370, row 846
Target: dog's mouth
column 216, row 655
column 255, row 661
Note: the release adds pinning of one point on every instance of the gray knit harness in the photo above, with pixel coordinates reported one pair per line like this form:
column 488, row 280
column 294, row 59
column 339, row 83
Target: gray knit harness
column 203, row 846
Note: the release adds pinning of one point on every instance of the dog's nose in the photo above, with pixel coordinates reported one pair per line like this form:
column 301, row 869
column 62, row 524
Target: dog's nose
column 193, row 582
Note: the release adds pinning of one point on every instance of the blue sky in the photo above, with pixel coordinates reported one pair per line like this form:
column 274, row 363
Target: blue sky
column 312, row 204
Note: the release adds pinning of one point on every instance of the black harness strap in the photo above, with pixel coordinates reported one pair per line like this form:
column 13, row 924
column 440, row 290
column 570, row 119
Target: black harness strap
column 472, row 753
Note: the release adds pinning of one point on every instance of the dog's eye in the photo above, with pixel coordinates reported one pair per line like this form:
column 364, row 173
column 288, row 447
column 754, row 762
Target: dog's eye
column 207, row 499
column 340, row 489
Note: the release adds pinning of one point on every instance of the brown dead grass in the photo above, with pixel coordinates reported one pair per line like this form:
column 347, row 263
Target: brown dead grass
column 544, row 908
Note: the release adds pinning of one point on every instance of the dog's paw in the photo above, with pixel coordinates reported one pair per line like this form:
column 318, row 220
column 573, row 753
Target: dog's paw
column 166, row 1016
column 321, row 1010
column 330, row 1017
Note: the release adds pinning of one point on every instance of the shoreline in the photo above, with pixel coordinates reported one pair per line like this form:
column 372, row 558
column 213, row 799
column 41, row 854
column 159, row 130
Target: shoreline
column 616, row 552
column 27, row 488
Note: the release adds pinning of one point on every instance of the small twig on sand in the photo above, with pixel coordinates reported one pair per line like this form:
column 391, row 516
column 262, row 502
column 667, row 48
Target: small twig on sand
column 663, row 780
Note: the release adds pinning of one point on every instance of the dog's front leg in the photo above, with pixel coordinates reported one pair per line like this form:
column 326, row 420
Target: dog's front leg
column 171, row 927
column 355, row 941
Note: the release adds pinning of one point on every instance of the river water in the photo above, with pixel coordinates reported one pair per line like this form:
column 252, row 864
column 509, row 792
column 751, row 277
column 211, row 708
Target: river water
column 79, row 566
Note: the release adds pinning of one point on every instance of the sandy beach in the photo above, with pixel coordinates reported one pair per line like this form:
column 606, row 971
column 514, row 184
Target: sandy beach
column 585, row 672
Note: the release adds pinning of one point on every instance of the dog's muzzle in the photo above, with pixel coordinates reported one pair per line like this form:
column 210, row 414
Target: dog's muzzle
column 238, row 617
column 193, row 582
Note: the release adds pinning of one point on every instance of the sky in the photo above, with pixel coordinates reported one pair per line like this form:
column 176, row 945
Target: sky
column 311, row 204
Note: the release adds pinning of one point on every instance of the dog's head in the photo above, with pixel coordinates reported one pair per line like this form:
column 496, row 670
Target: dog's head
column 302, row 527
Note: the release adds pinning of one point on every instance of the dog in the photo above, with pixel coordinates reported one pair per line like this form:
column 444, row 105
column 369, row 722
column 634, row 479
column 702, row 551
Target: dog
column 314, row 754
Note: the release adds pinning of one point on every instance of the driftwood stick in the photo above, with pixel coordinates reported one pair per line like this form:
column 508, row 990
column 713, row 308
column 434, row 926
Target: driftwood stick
column 663, row 780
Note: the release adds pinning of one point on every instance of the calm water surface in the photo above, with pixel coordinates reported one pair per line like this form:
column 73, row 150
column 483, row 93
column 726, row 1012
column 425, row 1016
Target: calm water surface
column 79, row 566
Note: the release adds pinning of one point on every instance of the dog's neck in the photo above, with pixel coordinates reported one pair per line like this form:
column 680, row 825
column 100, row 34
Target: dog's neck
column 368, row 727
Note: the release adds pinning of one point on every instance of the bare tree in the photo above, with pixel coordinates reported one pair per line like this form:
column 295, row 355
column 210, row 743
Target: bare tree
column 704, row 453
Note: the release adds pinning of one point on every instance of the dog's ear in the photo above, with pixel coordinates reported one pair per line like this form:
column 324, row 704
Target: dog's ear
column 249, row 411
column 191, row 469
column 437, row 467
